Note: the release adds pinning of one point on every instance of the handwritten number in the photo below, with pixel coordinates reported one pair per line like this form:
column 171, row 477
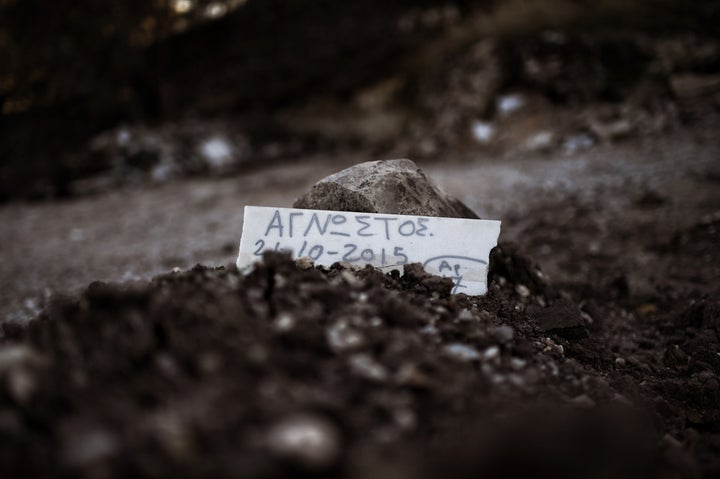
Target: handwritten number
column 398, row 251
column 350, row 250
column 315, row 252
column 260, row 245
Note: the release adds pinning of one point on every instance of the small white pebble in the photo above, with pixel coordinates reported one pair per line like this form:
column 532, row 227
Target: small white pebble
column 364, row 365
column 491, row 353
column 307, row 439
column 280, row 280
column 522, row 290
column 343, row 337
column 285, row 322
column 462, row 352
column 375, row 321
column 483, row 132
column 509, row 103
column 517, row 363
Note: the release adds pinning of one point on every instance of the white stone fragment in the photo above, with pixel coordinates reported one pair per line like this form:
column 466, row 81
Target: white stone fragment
column 343, row 337
column 483, row 132
column 540, row 141
column 364, row 365
column 217, row 152
column 507, row 104
column 462, row 352
column 492, row 353
column 306, row 438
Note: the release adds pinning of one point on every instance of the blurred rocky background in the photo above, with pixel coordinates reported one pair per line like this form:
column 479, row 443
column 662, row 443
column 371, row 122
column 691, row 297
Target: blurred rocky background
column 95, row 95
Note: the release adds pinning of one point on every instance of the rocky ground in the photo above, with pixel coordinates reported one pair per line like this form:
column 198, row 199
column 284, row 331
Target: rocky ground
column 134, row 233
column 606, row 364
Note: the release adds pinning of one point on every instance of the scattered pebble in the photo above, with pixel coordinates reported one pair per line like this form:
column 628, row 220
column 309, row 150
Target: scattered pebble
column 483, row 132
column 579, row 142
column 429, row 330
column 517, row 363
column 162, row 172
column 492, row 353
column 123, row 136
column 342, row 337
column 512, row 102
column 285, row 322
column 522, row 290
column 375, row 322
column 541, row 141
column 365, row 366
column 218, row 153
column 310, row 440
column 280, row 281
column 462, row 352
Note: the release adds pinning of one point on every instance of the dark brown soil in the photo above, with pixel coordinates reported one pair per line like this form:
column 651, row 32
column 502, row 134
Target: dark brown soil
column 341, row 373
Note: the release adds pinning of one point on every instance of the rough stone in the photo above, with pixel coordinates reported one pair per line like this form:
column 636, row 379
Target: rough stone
column 386, row 186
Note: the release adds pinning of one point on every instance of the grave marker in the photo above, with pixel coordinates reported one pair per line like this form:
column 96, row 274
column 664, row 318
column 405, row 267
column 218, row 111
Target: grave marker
column 451, row 247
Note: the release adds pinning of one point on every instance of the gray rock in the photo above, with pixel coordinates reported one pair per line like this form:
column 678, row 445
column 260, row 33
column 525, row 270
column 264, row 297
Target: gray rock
column 389, row 186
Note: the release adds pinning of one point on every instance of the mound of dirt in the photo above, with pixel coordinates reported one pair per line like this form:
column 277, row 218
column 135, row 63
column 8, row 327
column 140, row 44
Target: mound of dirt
column 341, row 372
